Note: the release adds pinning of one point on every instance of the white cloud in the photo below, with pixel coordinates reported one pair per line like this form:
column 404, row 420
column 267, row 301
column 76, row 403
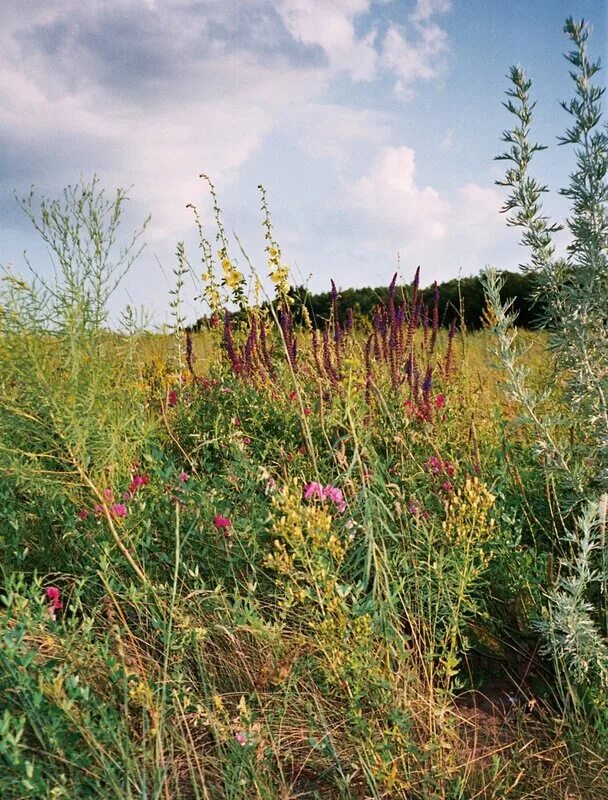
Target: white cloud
column 410, row 61
column 425, row 9
column 330, row 25
column 153, row 92
column 390, row 193
column 422, row 223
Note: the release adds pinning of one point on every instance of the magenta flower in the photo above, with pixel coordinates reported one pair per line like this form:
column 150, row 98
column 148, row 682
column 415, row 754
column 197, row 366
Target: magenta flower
column 137, row 482
column 241, row 738
column 246, row 440
column 172, row 398
column 314, row 489
column 222, row 523
column 440, row 401
column 335, row 495
column 109, row 495
column 53, row 595
column 118, row 510
column 434, row 465
column 83, row 513
column 184, row 477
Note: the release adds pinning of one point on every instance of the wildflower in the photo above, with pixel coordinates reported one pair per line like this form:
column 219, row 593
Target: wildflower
column 222, row 523
column 328, row 492
column 137, row 482
column 172, row 398
column 434, row 465
column 98, row 509
column 293, row 395
column 233, row 279
column 449, row 468
column 246, row 440
column 109, row 495
column 118, row 510
column 447, row 486
column 440, row 401
column 241, row 738
column 183, row 477
column 53, row 595
column 83, row 513
column 335, row 495
column 307, row 411
column 279, row 275
column 313, row 489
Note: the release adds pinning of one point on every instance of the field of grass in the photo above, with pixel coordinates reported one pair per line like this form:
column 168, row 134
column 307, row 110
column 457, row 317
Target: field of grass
column 279, row 564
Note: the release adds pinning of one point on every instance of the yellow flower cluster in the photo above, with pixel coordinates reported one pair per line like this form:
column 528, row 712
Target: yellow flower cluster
column 140, row 692
column 278, row 273
column 233, row 279
column 468, row 519
column 306, row 549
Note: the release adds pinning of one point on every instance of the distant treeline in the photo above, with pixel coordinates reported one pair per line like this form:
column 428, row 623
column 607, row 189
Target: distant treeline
column 461, row 299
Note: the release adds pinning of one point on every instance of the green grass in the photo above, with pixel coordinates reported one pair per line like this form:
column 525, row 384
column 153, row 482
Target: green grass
column 300, row 652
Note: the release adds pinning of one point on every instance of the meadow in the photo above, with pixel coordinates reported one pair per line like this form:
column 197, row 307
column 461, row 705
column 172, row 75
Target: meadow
column 292, row 557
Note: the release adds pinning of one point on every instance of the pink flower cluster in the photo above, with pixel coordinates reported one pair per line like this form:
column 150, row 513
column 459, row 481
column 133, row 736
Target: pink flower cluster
column 136, row 484
column 117, row 510
column 436, row 466
column 223, row 524
column 328, row 492
column 423, row 411
column 53, row 595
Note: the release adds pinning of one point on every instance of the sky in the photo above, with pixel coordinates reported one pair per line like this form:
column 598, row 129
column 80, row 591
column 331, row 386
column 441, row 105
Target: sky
column 372, row 124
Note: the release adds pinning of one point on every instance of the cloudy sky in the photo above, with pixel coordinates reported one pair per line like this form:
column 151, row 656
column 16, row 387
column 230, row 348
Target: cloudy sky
column 371, row 123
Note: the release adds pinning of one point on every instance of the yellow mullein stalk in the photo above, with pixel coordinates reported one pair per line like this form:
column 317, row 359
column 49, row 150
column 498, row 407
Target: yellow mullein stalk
column 234, row 279
column 279, row 276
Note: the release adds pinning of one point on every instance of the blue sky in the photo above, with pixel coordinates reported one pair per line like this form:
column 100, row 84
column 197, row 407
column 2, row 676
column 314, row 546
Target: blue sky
column 371, row 123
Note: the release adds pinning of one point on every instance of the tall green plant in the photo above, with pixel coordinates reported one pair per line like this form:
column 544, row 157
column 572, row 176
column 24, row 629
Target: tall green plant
column 67, row 425
column 574, row 288
column 574, row 441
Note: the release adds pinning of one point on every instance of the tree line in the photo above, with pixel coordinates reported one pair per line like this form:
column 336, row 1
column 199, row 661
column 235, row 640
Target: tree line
column 460, row 299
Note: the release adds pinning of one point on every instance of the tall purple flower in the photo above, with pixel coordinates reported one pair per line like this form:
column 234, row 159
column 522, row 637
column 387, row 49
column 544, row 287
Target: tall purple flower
column 190, row 353
column 229, row 345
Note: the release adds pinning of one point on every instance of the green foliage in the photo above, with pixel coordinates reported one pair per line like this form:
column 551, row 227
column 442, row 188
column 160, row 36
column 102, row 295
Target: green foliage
column 572, row 441
column 68, row 423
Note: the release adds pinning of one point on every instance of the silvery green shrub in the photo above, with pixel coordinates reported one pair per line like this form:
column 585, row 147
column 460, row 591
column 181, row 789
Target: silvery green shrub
column 572, row 442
